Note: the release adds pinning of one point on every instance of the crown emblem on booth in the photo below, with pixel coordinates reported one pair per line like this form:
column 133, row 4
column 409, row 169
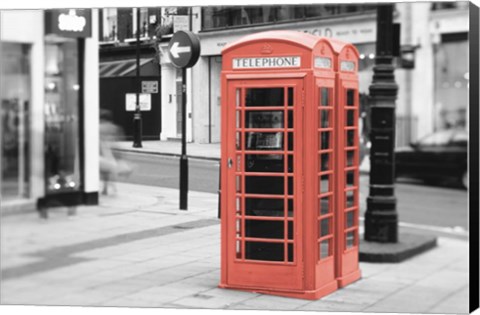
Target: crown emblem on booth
column 266, row 49
column 322, row 49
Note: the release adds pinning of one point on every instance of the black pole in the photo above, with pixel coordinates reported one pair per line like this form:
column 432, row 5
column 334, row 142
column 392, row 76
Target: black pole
column 137, row 117
column 381, row 219
column 184, row 157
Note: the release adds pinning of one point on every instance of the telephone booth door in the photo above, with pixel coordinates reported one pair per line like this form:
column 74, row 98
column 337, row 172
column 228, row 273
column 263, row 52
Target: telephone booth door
column 348, row 166
column 263, row 177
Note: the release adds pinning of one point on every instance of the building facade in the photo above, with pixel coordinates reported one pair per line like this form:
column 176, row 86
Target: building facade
column 432, row 95
column 49, row 93
column 118, row 81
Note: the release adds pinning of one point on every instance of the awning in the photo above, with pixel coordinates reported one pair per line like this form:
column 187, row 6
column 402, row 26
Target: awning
column 127, row 67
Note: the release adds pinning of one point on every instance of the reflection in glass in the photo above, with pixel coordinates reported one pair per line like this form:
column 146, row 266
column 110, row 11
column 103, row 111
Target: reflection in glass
column 264, row 119
column 264, row 229
column 290, row 185
column 350, row 178
column 265, row 207
column 264, row 251
column 324, row 183
column 290, row 230
column 325, row 163
column 238, row 249
column 16, row 98
column 349, row 222
column 237, row 97
column 238, row 227
column 324, row 122
column 350, row 118
column 325, row 140
column 238, row 140
column 238, row 205
column 290, row 96
column 350, row 157
column 324, row 205
column 273, row 185
column 290, row 141
column 350, row 239
column 324, row 96
column 238, row 120
column 290, row 252
column 238, row 183
column 350, row 138
column 350, row 97
column 324, row 249
column 324, row 227
column 264, row 97
column 264, row 140
column 263, row 163
column 62, row 158
column 290, row 119
column 270, row 141
column 350, row 196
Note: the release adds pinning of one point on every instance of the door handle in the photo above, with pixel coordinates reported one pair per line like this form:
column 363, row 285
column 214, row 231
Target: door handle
column 229, row 163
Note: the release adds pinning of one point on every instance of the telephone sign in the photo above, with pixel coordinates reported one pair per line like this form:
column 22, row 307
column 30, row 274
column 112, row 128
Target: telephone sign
column 184, row 49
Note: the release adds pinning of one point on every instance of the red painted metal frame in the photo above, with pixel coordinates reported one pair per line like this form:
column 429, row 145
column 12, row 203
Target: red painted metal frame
column 310, row 275
column 347, row 268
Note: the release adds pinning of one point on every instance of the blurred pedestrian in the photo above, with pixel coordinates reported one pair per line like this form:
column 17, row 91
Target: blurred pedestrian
column 111, row 166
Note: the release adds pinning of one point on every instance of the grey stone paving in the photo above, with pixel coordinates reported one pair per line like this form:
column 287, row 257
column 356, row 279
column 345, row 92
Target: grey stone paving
column 143, row 252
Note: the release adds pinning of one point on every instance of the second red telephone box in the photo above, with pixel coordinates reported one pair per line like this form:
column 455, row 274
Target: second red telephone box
column 280, row 167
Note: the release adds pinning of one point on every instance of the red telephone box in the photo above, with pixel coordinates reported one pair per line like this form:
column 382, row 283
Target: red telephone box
column 347, row 168
column 280, row 172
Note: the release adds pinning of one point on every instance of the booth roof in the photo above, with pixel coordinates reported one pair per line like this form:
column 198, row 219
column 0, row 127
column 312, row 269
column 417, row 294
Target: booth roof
column 305, row 39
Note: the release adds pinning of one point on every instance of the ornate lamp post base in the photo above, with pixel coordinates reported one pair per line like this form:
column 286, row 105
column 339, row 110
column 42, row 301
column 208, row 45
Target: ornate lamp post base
column 381, row 240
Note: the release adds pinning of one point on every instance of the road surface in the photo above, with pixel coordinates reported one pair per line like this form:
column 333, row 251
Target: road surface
column 439, row 209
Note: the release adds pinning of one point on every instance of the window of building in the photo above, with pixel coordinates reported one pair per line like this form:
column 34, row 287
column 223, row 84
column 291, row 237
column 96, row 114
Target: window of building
column 110, row 25
column 219, row 17
column 62, row 87
column 449, row 5
column 16, row 100
column 451, row 81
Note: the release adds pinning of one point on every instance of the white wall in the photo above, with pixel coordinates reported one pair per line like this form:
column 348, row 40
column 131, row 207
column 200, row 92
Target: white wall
column 91, row 106
column 200, row 94
column 169, row 101
column 422, row 75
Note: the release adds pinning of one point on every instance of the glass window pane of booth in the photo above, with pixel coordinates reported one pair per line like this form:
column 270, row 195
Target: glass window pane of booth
column 267, row 175
column 265, row 97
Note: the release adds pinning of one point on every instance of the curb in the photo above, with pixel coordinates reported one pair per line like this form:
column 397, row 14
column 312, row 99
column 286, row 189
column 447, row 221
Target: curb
column 197, row 157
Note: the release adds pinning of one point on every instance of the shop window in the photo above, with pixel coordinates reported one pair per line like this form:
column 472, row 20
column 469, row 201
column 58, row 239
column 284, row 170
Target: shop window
column 62, row 87
column 110, row 25
column 16, row 100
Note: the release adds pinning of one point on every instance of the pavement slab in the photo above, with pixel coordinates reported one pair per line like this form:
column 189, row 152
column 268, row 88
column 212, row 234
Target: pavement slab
column 135, row 250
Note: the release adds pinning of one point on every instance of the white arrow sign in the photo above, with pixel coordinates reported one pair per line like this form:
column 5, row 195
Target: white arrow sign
column 175, row 50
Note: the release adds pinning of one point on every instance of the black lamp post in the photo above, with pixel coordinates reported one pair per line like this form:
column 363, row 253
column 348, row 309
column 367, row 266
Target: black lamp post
column 381, row 219
column 137, row 117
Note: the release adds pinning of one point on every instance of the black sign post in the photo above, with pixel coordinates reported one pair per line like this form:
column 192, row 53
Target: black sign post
column 183, row 51
column 137, row 117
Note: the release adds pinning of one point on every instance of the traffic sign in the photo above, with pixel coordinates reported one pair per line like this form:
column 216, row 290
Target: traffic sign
column 184, row 49
column 149, row 87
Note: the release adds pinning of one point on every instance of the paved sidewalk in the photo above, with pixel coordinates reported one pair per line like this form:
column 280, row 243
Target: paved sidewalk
column 137, row 249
